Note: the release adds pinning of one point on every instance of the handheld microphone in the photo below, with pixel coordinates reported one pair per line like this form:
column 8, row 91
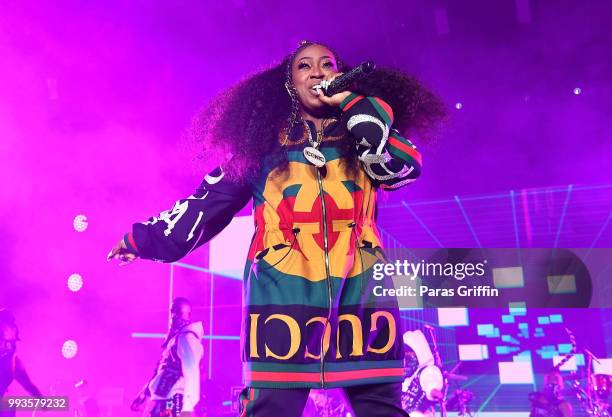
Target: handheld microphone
column 343, row 82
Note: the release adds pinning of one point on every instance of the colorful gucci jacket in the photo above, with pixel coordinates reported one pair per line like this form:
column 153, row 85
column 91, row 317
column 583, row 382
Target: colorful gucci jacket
column 307, row 280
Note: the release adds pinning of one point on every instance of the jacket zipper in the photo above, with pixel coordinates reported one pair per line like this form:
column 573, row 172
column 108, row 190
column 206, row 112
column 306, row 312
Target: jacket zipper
column 327, row 272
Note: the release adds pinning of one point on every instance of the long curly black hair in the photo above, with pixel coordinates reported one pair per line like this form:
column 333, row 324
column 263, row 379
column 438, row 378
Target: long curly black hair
column 244, row 121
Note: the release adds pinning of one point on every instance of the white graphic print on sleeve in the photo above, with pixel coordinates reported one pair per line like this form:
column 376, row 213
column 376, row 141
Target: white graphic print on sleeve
column 366, row 118
column 173, row 216
column 195, row 225
column 213, row 180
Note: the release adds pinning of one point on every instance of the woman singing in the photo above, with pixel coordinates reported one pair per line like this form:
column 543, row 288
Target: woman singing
column 312, row 165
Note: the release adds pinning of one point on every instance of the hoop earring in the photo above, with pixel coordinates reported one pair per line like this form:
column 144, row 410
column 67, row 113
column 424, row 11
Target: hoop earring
column 295, row 106
column 288, row 88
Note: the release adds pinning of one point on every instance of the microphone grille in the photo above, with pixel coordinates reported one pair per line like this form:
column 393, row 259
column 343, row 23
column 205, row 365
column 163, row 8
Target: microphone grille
column 368, row 67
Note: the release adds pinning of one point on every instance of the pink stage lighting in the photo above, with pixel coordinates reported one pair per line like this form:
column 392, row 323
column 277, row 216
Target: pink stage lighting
column 75, row 282
column 69, row 349
column 80, row 223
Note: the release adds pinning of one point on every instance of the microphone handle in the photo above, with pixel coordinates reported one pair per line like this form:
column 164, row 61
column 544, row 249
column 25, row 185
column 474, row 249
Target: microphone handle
column 343, row 82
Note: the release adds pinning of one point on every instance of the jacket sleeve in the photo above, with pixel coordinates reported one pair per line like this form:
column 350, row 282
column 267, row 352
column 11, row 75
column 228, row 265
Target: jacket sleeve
column 192, row 221
column 389, row 159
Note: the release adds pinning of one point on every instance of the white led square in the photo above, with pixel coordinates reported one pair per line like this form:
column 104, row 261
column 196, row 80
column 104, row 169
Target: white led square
column 511, row 277
column 515, row 372
column 570, row 365
column 561, row 284
column 603, row 367
column 229, row 249
column 453, row 316
column 474, row 352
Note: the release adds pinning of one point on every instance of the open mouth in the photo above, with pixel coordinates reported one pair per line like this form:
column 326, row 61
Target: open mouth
column 314, row 90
